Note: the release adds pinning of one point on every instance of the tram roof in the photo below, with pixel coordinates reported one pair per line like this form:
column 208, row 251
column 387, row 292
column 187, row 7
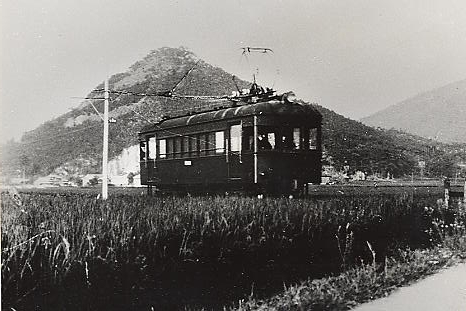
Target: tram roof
column 272, row 107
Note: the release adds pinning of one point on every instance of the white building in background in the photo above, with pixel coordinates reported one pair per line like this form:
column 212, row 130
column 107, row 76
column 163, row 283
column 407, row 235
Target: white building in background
column 126, row 162
column 119, row 180
column 118, row 170
column 123, row 180
column 121, row 166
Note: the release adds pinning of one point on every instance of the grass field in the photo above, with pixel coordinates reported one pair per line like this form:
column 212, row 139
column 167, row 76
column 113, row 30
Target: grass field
column 363, row 188
column 66, row 250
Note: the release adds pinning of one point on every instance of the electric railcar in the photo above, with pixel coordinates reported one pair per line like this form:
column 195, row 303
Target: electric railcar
column 270, row 146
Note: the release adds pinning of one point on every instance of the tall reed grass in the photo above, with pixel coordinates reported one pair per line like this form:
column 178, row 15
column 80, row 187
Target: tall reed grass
column 72, row 251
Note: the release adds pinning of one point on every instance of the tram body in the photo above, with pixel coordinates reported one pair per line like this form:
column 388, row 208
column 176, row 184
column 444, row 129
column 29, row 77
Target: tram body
column 266, row 147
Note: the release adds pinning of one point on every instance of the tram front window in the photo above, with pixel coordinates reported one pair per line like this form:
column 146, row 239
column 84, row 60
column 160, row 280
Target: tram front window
column 287, row 139
column 296, row 138
column 152, row 148
column 313, row 138
column 142, row 151
column 291, row 138
column 266, row 138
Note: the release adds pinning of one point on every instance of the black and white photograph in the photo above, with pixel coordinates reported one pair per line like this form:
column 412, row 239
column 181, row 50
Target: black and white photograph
column 233, row 155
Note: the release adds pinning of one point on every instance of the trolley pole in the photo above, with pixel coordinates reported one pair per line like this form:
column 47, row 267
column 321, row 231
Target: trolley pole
column 105, row 147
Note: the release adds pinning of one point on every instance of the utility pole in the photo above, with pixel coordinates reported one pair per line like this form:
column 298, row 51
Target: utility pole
column 105, row 147
column 464, row 192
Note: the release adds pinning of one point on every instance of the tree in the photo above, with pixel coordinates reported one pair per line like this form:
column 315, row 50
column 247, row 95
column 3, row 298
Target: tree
column 93, row 181
column 35, row 169
column 441, row 165
column 130, row 178
column 24, row 162
column 77, row 180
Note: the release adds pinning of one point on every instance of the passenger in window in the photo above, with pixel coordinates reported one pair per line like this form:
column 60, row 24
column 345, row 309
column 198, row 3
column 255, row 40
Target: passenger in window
column 271, row 140
column 287, row 142
column 263, row 143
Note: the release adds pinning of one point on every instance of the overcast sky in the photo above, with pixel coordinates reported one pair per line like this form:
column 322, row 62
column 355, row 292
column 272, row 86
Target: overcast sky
column 354, row 57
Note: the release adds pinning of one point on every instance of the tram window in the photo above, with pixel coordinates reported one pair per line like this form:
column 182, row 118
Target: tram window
column 211, row 143
column 203, row 141
column 219, row 142
column 296, row 138
column 142, row 151
column 152, row 148
column 287, row 139
column 313, row 138
column 266, row 139
column 162, row 148
column 177, row 147
column 235, row 138
column 186, row 148
column 271, row 140
column 193, row 145
column 248, row 138
column 173, row 146
column 170, row 148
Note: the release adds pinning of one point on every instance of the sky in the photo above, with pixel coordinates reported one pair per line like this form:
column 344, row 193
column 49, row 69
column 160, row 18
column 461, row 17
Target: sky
column 354, row 57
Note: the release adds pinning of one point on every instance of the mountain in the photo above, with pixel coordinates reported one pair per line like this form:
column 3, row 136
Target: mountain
column 439, row 114
column 74, row 139
column 72, row 143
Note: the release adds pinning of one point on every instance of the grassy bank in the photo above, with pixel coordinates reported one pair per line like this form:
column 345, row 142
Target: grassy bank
column 369, row 281
column 72, row 251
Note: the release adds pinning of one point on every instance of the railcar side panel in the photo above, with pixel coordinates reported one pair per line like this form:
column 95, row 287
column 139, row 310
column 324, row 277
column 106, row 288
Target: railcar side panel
column 266, row 147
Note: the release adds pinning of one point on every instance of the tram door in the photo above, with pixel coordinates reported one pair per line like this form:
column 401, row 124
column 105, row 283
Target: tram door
column 234, row 160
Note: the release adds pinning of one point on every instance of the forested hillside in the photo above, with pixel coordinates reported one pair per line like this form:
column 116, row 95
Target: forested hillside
column 74, row 140
column 385, row 151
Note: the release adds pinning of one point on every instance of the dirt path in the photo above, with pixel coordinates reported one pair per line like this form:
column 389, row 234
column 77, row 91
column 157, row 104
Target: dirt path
column 445, row 290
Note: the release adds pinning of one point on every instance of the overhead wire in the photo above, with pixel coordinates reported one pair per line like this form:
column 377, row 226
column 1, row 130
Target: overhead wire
column 192, row 138
column 164, row 94
column 185, row 75
column 146, row 119
column 167, row 94
column 134, row 111
column 170, row 111
column 170, row 94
